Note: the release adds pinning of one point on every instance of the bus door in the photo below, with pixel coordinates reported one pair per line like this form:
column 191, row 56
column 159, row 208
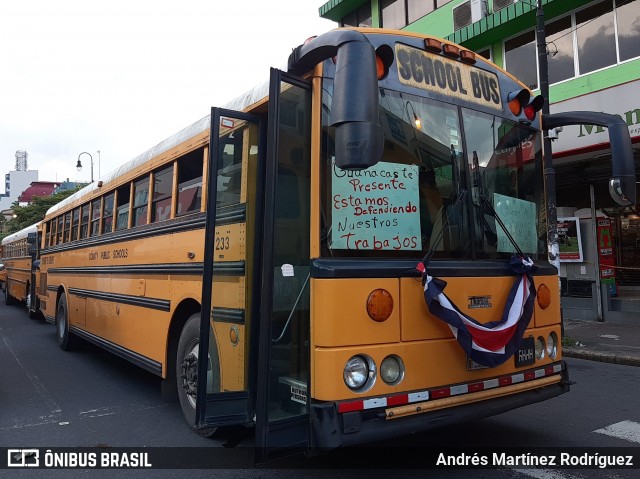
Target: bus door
column 282, row 401
column 230, row 276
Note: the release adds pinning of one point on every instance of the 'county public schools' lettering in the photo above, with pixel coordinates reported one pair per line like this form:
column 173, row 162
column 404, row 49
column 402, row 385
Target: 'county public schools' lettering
column 439, row 74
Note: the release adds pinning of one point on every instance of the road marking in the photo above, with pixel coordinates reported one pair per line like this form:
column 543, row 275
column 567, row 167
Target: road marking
column 627, row 430
column 610, row 336
column 36, row 383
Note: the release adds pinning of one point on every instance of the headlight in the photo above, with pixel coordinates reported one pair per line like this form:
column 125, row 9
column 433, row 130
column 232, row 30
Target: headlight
column 540, row 348
column 552, row 345
column 357, row 371
column 392, row 370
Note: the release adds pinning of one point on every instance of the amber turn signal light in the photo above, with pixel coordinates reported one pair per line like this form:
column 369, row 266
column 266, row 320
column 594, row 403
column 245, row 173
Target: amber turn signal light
column 379, row 305
column 544, row 296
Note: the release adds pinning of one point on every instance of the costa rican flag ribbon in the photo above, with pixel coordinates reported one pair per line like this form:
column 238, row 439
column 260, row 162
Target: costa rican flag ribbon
column 489, row 344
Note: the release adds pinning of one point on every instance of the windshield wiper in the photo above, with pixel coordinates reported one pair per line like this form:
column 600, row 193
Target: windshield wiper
column 494, row 213
column 448, row 214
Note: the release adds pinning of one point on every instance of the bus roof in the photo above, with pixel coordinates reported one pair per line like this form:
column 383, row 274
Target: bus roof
column 20, row 234
column 241, row 103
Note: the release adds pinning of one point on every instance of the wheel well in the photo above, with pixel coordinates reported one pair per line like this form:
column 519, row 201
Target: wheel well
column 183, row 312
column 59, row 293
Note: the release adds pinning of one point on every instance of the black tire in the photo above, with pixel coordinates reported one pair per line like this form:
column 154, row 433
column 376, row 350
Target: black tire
column 66, row 340
column 8, row 299
column 187, row 372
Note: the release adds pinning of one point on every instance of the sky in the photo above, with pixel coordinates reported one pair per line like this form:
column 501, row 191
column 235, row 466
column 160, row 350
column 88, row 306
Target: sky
column 119, row 76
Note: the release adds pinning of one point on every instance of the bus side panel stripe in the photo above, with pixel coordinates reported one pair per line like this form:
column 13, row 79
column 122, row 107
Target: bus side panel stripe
column 150, row 303
column 138, row 359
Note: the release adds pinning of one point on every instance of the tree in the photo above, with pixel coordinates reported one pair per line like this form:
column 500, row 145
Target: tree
column 27, row 215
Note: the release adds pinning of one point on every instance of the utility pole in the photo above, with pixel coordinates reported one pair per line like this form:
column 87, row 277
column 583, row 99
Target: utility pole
column 547, row 157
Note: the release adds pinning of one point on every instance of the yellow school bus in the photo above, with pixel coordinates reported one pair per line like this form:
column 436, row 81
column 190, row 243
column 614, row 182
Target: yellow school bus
column 19, row 252
column 339, row 244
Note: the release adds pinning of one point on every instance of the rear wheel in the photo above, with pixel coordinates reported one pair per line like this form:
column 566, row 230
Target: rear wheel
column 187, row 372
column 66, row 340
column 8, row 299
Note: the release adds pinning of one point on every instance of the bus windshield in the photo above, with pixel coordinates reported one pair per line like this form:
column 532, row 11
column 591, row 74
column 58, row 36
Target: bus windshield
column 446, row 174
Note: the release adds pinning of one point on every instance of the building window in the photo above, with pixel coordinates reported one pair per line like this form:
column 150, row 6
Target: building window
column 601, row 35
column 417, row 9
column 485, row 53
column 595, row 37
column 400, row 13
column 359, row 18
column 628, row 19
column 394, row 14
column 560, row 48
column 520, row 58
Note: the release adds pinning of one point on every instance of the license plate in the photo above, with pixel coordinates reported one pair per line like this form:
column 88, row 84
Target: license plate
column 526, row 353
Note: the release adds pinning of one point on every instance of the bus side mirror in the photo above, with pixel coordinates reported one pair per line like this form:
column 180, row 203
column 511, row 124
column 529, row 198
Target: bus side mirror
column 622, row 184
column 358, row 145
column 355, row 105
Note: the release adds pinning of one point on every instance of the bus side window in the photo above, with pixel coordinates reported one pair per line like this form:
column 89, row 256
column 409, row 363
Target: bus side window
column 122, row 209
column 59, row 231
column 162, row 189
column 140, row 201
column 96, row 206
column 84, row 221
column 67, row 227
column 47, row 240
column 189, row 183
column 107, row 214
column 75, row 223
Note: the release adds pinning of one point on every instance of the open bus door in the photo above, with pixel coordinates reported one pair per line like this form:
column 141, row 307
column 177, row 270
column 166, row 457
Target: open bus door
column 282, row 400
column 230, row 289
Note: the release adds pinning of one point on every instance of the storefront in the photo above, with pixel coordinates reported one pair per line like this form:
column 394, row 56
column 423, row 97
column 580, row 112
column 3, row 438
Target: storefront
column 583, row 163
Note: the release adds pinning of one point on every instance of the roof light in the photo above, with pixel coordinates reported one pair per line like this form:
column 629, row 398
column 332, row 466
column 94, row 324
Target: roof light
column 451, row 50
column 467, row 56
column 433, row 45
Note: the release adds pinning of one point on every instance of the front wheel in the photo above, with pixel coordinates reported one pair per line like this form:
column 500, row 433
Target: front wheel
column 66, row 340
column 187, row 372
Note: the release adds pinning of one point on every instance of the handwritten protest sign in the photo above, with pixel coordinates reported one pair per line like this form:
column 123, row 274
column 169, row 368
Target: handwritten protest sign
column 519, row 216
column 376, row 209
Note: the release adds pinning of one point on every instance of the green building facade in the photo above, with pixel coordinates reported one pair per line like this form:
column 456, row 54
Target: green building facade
column 593, row 52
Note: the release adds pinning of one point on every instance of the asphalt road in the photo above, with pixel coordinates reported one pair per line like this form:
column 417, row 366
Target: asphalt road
column 88, row 398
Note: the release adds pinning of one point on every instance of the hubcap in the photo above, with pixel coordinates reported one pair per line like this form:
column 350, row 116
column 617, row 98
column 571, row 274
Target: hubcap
column 190, row 374
column 60, row 323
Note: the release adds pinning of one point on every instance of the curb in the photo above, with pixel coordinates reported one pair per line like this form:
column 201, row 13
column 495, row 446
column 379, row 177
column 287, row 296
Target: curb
column 572, row 352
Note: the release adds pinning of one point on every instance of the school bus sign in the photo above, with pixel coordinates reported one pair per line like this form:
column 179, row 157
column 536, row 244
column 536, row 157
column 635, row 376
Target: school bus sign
column 442, row 75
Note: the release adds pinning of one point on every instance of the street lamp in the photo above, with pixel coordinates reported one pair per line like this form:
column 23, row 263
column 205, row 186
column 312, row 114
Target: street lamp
column 79, row 164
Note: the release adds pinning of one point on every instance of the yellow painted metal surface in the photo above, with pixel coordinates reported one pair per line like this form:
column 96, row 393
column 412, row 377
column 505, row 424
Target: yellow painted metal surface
column 429, row 364
column 339, row 309
column 341, row 329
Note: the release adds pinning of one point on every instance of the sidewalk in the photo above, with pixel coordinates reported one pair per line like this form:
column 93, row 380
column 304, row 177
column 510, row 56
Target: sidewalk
column 615, row 342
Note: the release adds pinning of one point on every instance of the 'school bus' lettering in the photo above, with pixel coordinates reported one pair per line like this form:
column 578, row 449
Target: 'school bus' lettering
column 439, row 74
